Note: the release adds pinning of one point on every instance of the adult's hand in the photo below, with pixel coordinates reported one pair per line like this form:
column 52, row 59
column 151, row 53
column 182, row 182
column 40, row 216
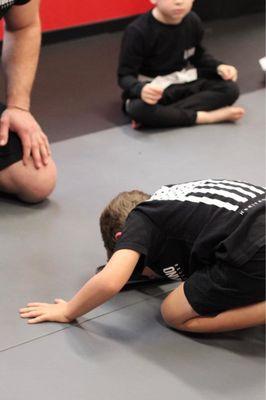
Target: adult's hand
column 34, row 141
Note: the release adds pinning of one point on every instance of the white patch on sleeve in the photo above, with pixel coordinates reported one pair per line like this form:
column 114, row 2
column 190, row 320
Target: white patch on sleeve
column 189, row 53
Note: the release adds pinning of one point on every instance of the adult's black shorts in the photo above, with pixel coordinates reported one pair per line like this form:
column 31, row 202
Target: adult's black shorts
column 12, row 151
column 214, row 289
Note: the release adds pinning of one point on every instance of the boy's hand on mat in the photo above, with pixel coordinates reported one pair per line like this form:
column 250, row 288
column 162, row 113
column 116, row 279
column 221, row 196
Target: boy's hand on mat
column 34, row 142
column 151, row 94
column 227, row 72
column 41, row 312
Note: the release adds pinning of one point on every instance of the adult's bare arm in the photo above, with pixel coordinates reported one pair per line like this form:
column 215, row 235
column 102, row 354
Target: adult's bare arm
column 21, row 47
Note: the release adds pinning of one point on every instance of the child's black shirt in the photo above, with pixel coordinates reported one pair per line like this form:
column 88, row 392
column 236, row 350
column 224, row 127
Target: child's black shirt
column 152, row 48
column 183, row 228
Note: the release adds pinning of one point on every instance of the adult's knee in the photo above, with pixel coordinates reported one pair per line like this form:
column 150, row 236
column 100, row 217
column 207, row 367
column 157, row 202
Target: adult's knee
column 36, row 185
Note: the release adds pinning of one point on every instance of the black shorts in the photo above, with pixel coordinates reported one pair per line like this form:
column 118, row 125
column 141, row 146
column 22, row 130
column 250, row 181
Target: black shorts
column 12, row 152
column 212, row 290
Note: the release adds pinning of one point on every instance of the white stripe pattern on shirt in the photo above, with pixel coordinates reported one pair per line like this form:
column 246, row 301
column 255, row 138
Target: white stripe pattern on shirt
column 237, row 189
column 234, row 183
column 197, row 192
column 214, row 202
column 224, row 193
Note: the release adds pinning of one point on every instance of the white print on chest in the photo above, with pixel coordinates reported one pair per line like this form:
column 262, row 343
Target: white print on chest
column 189, row 53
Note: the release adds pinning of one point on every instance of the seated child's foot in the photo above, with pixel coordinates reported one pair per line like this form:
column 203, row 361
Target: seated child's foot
column 135, row 124
column 222, row 114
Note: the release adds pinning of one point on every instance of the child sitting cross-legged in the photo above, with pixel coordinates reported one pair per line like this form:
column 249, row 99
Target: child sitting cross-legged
column 167, row 77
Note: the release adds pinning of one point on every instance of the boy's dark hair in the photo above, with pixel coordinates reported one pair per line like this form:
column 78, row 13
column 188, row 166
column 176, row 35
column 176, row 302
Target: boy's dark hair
column 115, row 214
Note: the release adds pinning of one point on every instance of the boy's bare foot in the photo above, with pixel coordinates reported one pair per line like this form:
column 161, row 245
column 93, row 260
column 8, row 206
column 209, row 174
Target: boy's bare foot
column 135, row 124
column 222, row 114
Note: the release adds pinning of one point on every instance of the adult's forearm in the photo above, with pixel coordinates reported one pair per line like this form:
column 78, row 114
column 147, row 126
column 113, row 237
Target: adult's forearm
column 19, row 59
column 235, row 319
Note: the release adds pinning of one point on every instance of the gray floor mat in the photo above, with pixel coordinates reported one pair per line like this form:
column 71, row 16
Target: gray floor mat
column 49, row 250
column 130, row 354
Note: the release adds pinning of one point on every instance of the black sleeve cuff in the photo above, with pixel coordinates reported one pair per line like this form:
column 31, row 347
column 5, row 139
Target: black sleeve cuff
column 210, row 72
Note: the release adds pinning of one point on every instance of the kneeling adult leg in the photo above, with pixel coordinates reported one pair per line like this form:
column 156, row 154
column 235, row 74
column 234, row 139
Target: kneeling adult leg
column 26, row 182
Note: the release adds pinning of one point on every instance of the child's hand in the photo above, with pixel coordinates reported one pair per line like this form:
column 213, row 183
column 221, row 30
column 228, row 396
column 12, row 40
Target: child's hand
column 227, row 72
column 41, row 312
column 151, row 94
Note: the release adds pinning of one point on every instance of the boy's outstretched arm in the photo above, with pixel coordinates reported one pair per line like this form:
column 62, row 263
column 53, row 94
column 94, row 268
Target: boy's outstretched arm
column 99, row 289
column 184, row 318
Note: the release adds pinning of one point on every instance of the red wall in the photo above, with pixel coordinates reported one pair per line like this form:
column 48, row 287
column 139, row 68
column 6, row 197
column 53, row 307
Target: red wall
column 58, row 14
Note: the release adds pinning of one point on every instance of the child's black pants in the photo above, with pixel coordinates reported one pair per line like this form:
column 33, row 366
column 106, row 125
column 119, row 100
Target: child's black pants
column 180, row 103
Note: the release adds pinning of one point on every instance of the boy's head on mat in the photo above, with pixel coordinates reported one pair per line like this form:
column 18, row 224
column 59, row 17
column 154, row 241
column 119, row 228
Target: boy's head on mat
column 115, row 214
column 171, row 11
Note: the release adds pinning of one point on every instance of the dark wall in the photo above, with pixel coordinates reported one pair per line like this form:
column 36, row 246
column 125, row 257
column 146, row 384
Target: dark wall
column 215, row 9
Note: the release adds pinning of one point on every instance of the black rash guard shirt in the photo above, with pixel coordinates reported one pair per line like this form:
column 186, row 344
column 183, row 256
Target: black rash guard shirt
column 204, row 233
column 151, row 48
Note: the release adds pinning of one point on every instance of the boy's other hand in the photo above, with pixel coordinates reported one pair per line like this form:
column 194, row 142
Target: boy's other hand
column 41, row 312
column 151, row 94
column 227, row 72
